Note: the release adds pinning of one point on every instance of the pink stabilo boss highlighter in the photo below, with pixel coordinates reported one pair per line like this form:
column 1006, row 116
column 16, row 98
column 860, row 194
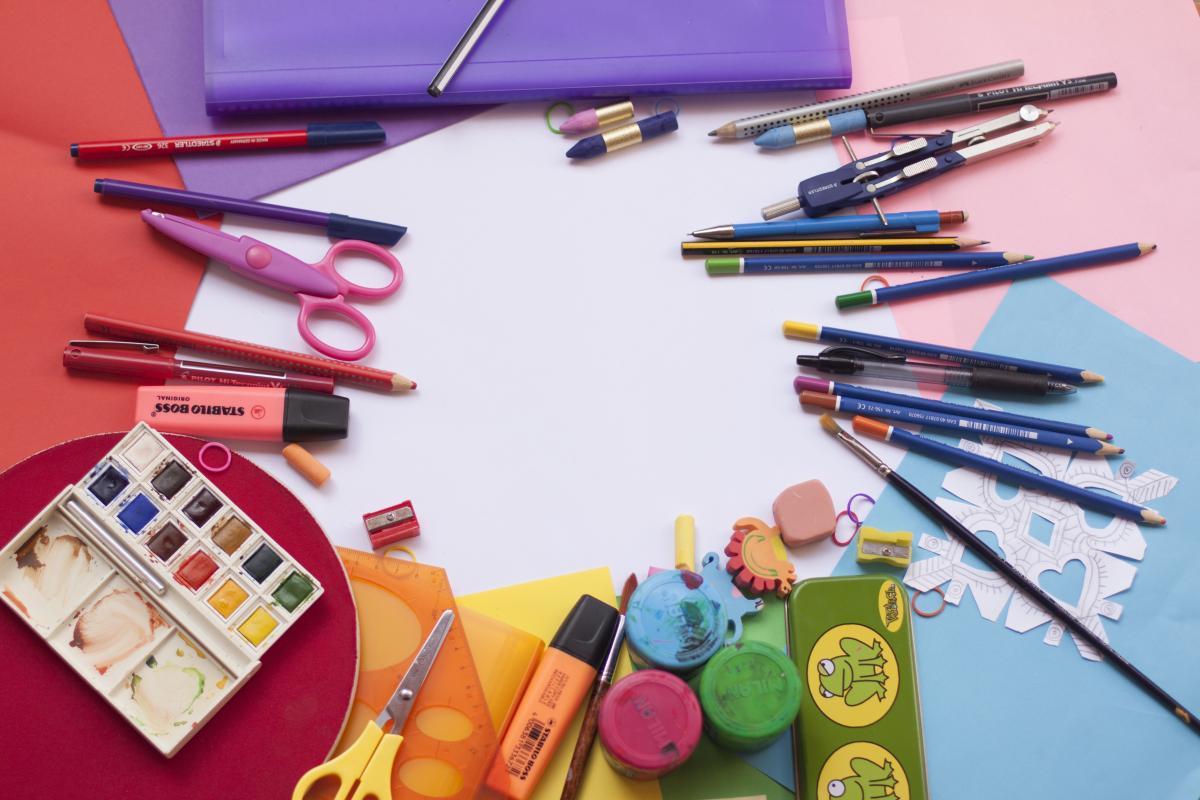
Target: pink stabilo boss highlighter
column 237, row 412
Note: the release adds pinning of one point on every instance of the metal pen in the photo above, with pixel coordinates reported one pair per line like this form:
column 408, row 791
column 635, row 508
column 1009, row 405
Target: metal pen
column 760, row 123
column 464, row 47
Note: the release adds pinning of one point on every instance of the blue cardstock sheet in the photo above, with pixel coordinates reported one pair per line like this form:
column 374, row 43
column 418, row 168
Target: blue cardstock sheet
column 1006, row 715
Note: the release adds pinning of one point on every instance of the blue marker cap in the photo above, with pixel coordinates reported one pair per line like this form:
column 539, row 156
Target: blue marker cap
column 340, row 226
column 329, row 134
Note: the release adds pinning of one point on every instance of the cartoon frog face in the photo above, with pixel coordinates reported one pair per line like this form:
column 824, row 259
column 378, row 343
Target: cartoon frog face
column 835, row 677
column 870, row 781
column 856, row 675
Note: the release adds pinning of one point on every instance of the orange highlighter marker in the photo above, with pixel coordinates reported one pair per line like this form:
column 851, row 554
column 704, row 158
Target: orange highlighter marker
column 563, row 679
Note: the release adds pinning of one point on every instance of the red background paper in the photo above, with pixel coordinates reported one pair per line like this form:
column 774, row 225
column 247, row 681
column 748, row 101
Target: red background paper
column 60, row 739
column 68, row 78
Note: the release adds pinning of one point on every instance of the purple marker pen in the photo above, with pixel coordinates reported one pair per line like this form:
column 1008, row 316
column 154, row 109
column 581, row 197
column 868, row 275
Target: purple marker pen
column 336, row 226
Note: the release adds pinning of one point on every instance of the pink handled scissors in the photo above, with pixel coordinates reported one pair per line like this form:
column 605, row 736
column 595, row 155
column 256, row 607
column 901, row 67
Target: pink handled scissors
column 318, row 286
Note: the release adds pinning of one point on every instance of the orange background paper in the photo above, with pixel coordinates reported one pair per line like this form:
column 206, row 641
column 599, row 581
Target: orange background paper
column 68, row 78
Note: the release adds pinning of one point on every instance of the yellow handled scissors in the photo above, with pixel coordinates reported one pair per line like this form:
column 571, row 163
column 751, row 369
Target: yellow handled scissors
column 365, row 770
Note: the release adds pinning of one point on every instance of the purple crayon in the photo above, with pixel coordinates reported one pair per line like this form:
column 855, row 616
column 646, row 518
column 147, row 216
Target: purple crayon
column 624, row 136
column 592, row 119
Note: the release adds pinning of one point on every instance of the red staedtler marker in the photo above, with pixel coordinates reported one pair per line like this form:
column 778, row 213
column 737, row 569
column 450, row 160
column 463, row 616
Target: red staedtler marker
column 330, row 134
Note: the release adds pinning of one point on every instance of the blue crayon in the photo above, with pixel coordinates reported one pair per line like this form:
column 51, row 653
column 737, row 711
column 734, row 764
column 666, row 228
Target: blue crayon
column 624, row 136
column 902, row 222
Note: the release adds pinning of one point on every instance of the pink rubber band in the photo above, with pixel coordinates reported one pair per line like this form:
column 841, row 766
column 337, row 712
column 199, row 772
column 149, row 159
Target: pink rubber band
column 928, row 614
column 833, row 536
column 870, row 278
column 209, row 467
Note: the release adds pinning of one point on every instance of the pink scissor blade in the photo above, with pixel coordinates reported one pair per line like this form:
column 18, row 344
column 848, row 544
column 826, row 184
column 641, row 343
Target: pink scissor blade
column 246, row 256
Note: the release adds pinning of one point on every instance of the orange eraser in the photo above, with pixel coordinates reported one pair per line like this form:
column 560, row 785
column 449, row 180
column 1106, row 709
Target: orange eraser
column 306, row 464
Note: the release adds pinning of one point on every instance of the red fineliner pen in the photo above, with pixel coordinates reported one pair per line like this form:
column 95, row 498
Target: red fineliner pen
column 330, row 134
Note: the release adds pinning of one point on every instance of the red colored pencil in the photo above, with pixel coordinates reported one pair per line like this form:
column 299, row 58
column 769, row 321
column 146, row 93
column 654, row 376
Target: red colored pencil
column 260, row 354
column 315, row 135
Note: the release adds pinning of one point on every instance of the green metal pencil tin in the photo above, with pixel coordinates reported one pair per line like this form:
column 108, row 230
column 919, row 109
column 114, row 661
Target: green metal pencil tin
column 859, row 728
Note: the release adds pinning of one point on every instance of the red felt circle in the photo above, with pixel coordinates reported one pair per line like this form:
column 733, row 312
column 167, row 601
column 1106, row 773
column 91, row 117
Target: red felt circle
column 59, row 738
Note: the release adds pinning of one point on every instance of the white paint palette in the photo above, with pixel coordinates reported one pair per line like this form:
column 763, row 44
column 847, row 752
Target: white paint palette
column 156, row 589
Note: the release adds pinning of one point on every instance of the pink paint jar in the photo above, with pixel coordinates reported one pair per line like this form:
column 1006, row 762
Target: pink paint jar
column 650, row 723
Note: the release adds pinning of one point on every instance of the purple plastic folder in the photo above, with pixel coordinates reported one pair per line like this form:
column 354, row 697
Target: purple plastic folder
column 166, row 42
column 291, row 54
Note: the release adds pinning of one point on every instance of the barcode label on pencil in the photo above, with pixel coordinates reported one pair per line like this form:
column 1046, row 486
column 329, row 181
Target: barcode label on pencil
column 1000, row 430
column 533, row 738
column 1071, row 91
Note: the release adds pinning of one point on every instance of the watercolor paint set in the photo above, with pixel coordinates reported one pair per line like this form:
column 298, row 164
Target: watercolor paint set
column 160, row 592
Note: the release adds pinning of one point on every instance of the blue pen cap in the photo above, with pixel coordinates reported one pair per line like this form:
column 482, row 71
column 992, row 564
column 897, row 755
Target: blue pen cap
column 340, row 226
column 676, row 621
column 329, row 134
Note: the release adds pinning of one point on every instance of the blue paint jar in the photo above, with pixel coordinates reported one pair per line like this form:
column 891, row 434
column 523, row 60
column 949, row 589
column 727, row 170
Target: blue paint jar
column 678, row 619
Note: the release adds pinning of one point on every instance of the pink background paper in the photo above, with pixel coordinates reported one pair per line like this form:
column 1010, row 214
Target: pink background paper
column 1122, row 166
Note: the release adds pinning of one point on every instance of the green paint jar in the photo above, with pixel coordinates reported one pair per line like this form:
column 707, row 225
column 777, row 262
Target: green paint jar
column 750, row 694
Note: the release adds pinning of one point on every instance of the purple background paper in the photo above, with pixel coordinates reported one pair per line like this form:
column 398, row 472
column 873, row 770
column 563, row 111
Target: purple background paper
column 166, row 42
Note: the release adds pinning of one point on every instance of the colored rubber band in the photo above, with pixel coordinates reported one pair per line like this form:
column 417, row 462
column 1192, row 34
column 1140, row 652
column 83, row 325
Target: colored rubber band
column 209, row 467
column 928, row 614
column 850, row 503
column 671, row 100
column 870, row 278
column 570, row 108
column 833, row 536
column 401, row 548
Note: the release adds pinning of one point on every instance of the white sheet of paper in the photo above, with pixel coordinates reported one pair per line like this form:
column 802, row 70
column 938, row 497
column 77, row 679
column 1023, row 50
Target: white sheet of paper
column 580, row 384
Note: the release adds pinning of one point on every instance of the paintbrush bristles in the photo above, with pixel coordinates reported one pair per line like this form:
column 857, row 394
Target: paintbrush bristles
column 830, row 424
column 631, row 583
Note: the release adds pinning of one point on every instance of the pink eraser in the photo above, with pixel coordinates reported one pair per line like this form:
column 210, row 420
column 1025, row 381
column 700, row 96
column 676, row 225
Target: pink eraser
column 804, row 513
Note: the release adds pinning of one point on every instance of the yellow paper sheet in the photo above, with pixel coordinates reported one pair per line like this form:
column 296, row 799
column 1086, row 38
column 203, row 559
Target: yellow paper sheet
column 539, row 607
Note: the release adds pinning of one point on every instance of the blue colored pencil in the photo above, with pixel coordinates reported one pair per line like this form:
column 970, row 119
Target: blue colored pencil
column 938, row 352
column 958, row 423
column 904, row 221
column 767, row 265
column 1022, row 477
column 803, row 383
column 1029, row 269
